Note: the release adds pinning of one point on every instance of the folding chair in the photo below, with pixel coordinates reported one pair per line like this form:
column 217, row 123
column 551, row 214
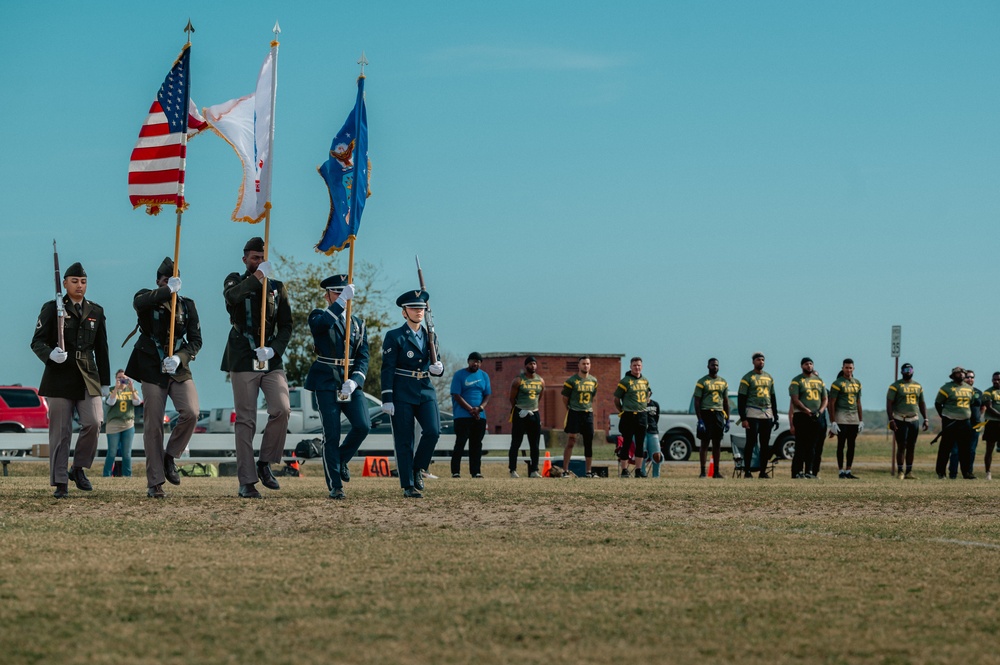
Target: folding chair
column 739, row 468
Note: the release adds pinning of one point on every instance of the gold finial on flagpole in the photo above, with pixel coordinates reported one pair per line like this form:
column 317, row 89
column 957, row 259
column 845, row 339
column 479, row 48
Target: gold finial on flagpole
column 189, row 29
column 362, row 61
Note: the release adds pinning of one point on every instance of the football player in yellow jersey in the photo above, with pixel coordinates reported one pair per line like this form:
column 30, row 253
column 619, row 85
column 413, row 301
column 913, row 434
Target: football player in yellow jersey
column 991, row 411
column 525, row 392
column 578, row 397
column 954, row 405
column 904, row 405
column 711, row 405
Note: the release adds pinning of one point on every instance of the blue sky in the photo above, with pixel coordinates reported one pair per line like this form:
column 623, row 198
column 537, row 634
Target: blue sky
column 675, row 180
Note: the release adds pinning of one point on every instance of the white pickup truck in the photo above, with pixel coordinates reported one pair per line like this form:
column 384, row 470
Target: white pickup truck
column 678, row 440
column 304, row 418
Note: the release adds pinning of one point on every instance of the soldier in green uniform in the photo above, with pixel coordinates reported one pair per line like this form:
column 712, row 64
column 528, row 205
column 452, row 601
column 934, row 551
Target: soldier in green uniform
column 807, row 414
column 631, row 400
column 758, row 407
column 954, row 405
column 711, row 404
column 991, row 431
column 846, row 417
column 578, row 397
column 525, row 392
column 904, row 405
column 75, row 378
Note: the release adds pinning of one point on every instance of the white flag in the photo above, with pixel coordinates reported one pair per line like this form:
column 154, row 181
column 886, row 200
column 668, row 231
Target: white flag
column 245, row 124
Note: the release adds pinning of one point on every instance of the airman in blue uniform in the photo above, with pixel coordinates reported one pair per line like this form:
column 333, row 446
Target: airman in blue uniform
column 407, row 393
column 326, row 379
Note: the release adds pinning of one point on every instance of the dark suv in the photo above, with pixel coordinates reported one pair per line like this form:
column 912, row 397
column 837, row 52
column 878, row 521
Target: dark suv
column 23, row 410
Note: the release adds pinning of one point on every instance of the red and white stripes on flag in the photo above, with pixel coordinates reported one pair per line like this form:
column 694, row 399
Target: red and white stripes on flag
column 156, row 168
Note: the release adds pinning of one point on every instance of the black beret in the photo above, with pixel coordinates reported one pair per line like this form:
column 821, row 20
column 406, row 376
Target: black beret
column 415, row 299
column 166, row 268
column 75, row 270
column 254, row 245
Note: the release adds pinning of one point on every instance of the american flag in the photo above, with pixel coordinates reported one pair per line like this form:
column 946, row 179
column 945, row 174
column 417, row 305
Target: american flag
column 156, row 168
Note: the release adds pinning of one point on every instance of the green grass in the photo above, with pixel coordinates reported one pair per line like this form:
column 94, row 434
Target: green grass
column 675, row 569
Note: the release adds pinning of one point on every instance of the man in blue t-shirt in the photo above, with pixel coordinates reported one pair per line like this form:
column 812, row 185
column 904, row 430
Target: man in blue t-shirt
column 470, row 391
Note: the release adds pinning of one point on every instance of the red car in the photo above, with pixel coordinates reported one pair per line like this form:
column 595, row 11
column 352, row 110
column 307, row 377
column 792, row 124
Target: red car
column 23, row 410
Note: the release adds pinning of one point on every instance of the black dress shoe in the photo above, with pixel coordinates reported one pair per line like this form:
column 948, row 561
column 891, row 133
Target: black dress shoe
column 267, row 478
column 337, row 494
column 249, row 492
column 411, row 493
column 77, row 475
column 62, row 491
column 156, row 492
column 418, row 480
column 345, row 473
column 170, row 470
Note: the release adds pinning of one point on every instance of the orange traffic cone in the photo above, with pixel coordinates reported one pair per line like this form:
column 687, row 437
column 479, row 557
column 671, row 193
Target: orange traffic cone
column 295, row 465
column 711, row 467
column 547, row 465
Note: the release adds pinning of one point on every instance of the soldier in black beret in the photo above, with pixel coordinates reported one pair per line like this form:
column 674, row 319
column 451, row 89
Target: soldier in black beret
column 165, row 372
column 75, row 379
column 254, row 365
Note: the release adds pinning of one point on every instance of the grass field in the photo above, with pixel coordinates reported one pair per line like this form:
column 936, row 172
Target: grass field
column 674, row 569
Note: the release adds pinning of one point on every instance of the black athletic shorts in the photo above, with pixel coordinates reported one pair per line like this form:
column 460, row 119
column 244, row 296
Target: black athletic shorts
column 580, row 422
column 715, row 423
column 991, row 432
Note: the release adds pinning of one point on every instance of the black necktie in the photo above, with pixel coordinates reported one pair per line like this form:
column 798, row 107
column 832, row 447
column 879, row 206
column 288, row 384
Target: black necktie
column 79, row 309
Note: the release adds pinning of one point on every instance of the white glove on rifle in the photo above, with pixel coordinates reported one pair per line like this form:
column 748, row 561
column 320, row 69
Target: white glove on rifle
column 348, row 387
column 436, row 369
column 58, row 355
column 523, row 413
column 346, row 295
column 834, row 428
column 171, row 363
column 387, row 407
column 174, row 284
column 264, row 353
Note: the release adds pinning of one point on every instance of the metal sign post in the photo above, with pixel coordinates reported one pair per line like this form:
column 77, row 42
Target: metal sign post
column 897, row 334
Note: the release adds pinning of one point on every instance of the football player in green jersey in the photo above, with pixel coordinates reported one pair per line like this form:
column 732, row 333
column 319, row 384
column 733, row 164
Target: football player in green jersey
column 631, row 400
column 807, row 416
column 758, row 407
column 846, row 416
column 711, row 404
column 525, row 392
column 578, row 397
column 991, row 432
column 904, row 405
column 954, row 405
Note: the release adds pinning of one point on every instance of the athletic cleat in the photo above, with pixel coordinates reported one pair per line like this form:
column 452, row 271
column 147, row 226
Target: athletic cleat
column 477, row 475
column 850, row 476
column 456, row 475
column 717, row 475
column 411, row 493
column 534, row 474
column 909, row 476
column 513, row 474
column 989, row 475
column 702, row 475
column 625, row 473
column 639, row 473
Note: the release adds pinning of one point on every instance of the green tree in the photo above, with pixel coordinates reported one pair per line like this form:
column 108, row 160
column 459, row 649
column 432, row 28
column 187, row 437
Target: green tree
column 305, row 294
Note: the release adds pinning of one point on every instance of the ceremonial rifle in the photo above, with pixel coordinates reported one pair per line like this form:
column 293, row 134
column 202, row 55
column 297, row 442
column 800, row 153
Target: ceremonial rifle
column 431, row 335
column 60, row 309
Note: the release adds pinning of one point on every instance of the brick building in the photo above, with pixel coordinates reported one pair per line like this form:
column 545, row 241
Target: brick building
column 555, row 368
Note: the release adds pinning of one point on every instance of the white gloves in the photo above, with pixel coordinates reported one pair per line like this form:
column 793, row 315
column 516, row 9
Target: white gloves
column 523, row 413
column 171, row 363
column 436, row 369
column 348, row 387
column 346, row 294
column 264, row 353
column 861, row 428
column 387, row 407
column 174, row 284
column 58, row 355
column 105, row 391
column 265, row 268
column 834, row 428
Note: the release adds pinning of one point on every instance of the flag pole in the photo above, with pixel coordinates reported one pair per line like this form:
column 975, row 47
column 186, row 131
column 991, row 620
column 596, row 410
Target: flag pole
column 180, row 204
column 350, row 257
column 267, row 176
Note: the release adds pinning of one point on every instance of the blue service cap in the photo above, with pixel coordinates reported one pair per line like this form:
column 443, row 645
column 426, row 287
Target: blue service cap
column 415, row 299
column 334, row 283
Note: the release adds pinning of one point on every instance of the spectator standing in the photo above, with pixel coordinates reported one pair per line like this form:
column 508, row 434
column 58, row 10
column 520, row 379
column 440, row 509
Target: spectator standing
column 119, row 423
column 470, row 393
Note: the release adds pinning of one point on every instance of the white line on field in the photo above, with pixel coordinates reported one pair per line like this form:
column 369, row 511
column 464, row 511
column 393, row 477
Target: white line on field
column 969, row 543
